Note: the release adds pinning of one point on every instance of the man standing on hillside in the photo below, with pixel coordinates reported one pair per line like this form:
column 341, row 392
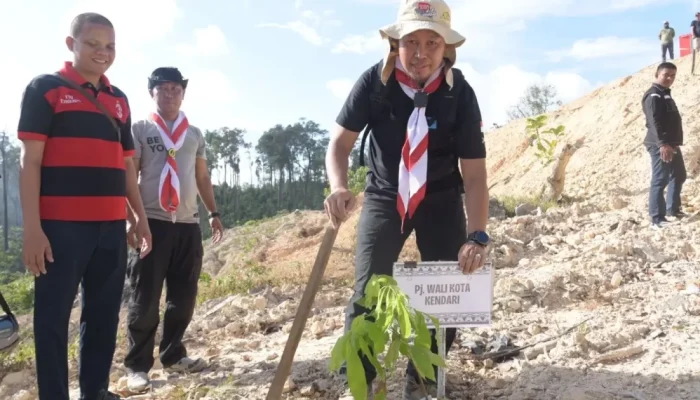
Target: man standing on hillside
column 666, row 37
column 172, row 166
column 76, row 175
column 663, row 141
column 695, row 31
column 426, row 126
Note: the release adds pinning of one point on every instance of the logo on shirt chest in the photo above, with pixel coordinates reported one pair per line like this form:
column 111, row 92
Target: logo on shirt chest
column 155, row 144
column 432, row 123
column 69, row 99
column 120, row 112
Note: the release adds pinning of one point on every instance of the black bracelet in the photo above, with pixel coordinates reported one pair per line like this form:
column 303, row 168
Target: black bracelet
column 214, row 214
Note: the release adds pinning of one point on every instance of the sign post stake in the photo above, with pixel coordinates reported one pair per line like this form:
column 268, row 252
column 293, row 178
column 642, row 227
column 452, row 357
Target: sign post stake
column 441, row 371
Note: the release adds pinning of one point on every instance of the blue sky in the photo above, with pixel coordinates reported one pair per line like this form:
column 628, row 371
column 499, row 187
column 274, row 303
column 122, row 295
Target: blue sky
column 253, row 64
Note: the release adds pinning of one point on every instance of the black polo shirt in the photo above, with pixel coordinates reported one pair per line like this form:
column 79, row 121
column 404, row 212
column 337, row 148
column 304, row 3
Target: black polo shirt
column 83, row 175
column 446, row 144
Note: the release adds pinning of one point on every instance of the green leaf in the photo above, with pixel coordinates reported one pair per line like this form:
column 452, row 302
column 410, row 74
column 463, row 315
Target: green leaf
column 404, row 320
column 356, row 374
column 377, row 336
column 392, row 354
column 422, row 362
column 436, row 321
column 423, row 337
column 404, row 349
column 372, row 359
column 437, row 360
column 338, row 353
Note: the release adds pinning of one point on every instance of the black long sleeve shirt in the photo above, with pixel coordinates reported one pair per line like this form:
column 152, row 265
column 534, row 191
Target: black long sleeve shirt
column 663, row 120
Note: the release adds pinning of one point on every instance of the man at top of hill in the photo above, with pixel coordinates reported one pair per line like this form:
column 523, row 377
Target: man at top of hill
column 666, row 37
column 171, row 164
column 76, row 182
column 663, row 141
column 425, row 127
column 695, row 31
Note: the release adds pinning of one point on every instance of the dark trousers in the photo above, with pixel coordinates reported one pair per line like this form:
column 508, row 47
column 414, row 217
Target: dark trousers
column 666, row 47
column 440, row 226
column 176, row 259
column 673, row 175
column 92, row 254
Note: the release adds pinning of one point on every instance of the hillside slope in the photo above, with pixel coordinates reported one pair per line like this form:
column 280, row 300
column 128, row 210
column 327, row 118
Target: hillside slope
column 611, row 124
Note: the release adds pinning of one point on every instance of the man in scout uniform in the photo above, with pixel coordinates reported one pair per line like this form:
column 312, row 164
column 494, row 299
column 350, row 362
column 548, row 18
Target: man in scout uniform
column 77, row 182
column 171, row 163
column 425, row 127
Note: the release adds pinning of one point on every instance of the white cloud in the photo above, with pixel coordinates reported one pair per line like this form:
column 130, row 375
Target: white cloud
column 502, row 87
column 209, row 41
column 361, row 44
column 604, row 47
column 340, row 88
column 306, row 31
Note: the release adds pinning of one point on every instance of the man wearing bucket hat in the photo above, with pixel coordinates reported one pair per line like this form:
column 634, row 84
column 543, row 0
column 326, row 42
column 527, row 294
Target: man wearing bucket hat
column 425, row 125
column 171, row 163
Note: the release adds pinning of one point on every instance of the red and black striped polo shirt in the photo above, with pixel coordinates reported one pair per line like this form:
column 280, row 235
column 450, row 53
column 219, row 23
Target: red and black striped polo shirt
column 82, row 173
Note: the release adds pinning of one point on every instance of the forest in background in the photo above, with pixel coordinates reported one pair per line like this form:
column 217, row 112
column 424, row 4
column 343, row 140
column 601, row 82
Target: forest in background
column 287, row 172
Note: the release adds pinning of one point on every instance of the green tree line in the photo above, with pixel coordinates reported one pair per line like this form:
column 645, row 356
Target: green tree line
column 287, row 172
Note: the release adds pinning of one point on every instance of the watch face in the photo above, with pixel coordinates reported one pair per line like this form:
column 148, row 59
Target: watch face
column 481, row 237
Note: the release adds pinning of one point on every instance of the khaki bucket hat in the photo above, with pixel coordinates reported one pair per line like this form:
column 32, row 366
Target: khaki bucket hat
column 434, row 15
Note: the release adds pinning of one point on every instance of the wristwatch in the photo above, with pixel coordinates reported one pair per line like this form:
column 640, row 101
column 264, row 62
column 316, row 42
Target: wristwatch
column 479, row 237
column 214, row 214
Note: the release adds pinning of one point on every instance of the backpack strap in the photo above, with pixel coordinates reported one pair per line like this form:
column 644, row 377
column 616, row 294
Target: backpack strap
column 377, row 101
column 94, row 101
column 5, row 307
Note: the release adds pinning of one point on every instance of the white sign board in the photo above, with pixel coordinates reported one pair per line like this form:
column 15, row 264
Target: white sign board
column 441, row 289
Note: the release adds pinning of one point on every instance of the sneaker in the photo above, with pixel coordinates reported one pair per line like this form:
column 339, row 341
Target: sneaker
column 137, row 381
column 346, row 395
column 675, row 216
column 660, row 225
column 186, row 365
column 107, row 395
column 413, row 391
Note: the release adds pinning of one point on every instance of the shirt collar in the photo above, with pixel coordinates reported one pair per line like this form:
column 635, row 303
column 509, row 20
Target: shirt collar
column 69, row 72
column 665, row 89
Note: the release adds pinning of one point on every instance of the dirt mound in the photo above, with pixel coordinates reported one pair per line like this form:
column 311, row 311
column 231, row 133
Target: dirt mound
column 610, row 124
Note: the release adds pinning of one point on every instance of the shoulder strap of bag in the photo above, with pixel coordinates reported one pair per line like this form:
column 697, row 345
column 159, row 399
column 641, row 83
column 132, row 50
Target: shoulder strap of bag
column 376, row 99
column 94, row 101
column 5, row 306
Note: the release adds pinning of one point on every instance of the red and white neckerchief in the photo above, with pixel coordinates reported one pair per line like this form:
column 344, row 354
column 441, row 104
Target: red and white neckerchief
column 413, row 168
column 169, row 188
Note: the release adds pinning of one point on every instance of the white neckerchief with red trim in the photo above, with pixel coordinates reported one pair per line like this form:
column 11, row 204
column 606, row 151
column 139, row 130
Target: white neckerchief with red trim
column 413, row 167
column 169, row 187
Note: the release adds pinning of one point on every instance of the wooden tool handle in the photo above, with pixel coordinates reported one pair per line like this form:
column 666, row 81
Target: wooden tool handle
column 307, row 301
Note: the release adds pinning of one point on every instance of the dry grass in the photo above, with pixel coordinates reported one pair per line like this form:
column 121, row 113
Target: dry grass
column 280, row 251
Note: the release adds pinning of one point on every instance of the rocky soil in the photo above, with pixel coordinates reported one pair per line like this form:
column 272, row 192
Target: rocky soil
column 611, row 307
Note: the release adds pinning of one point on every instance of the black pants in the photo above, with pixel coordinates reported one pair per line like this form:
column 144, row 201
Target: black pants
column 673, row 175
column 92, row 254
column 176, row 259
column 440, row 226
column 666, row 47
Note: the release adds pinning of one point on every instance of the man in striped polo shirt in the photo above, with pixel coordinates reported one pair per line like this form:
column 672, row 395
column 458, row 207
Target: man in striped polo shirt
column 77, row 179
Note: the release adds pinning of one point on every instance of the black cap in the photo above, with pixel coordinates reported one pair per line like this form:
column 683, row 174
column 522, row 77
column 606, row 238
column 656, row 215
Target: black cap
column 166, row 74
